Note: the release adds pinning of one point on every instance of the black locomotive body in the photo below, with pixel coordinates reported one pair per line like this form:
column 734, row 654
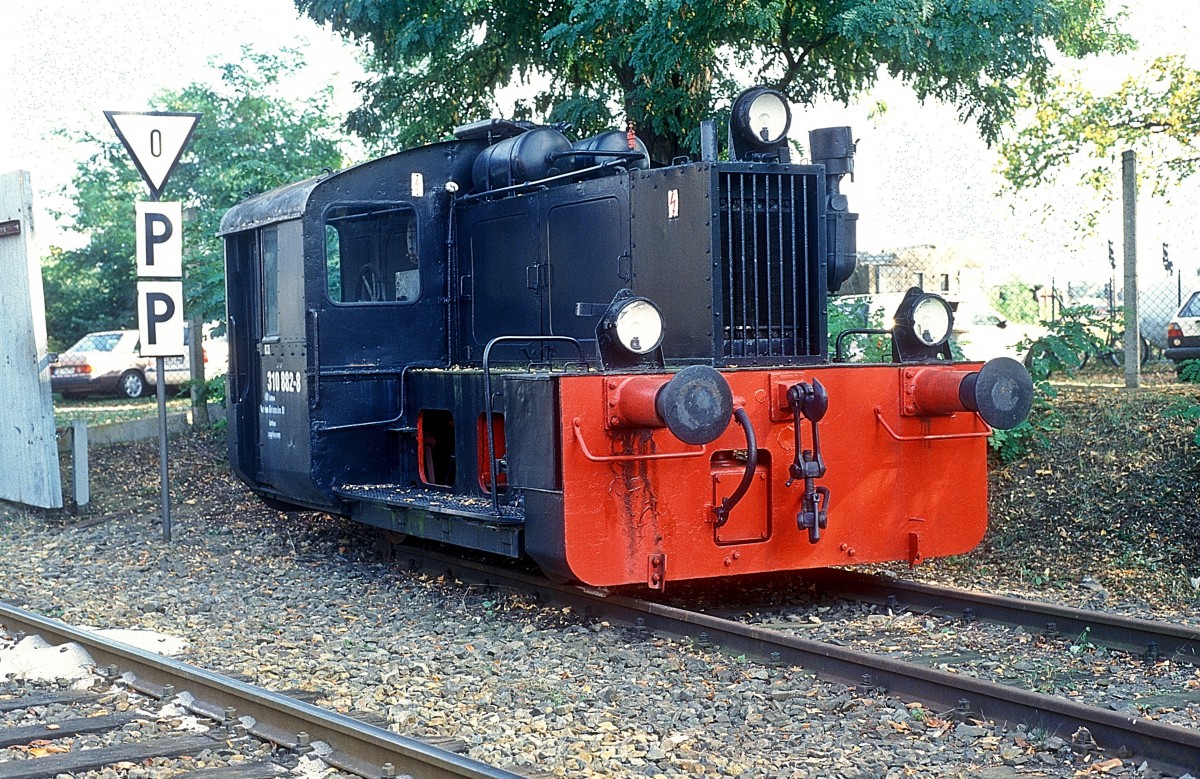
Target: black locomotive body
column 512, row 343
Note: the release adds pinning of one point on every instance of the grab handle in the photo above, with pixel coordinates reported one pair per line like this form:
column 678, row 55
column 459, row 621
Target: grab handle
column 939, row 437
column 577, row 424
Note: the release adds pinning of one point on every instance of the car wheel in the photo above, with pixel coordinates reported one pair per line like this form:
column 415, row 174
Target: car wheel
column 132, row 384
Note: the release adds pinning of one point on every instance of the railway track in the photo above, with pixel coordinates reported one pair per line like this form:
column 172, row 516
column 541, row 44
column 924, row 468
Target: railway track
column 85, row 716
column 1169, row 748
column 239, row 710
column 1180, row 643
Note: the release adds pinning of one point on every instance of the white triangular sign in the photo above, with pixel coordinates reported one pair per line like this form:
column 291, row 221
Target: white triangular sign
column 154, row 140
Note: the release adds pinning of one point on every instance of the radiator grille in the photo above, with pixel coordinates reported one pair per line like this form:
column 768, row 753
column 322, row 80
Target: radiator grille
column 772, row 304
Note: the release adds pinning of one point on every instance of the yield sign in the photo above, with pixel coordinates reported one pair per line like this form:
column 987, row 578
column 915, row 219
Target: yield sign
column 154, row 139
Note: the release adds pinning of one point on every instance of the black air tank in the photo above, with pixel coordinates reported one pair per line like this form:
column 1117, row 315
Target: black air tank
column 611, row 141
column 527, row 157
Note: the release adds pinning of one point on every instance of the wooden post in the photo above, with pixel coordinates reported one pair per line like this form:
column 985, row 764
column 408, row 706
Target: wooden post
column 196, row 359
column 28, row 447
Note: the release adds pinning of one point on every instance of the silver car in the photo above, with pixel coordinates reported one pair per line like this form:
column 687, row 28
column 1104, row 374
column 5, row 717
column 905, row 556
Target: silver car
column 109, row 363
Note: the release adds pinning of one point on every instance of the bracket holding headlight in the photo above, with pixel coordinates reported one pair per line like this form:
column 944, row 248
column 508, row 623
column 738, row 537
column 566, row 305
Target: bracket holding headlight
column 630, row 332
column 758, row 126
column 922, row 327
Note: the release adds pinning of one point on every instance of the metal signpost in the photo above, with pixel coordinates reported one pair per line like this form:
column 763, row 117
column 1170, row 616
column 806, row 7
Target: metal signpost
column 155, row 140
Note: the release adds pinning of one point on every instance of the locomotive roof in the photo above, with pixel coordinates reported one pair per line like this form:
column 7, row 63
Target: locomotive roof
column 289, row 201
column 286, row 202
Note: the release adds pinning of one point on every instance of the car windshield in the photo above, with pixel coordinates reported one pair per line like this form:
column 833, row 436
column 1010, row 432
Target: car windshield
column 97, row 342
column 1192, row 307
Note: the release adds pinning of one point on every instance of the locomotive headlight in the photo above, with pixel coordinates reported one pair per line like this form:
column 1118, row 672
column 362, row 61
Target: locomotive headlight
column 922, row 327
column 759, row 121
column 931, row 320
column 762, row 116
column 629, row 332
column 639, row 325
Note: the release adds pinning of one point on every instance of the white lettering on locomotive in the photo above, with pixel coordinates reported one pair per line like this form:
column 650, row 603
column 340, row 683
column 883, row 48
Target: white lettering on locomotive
column 283, row 381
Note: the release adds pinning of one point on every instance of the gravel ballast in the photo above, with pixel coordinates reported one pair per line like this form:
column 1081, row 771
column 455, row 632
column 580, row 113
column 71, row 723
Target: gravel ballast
column 302, row 601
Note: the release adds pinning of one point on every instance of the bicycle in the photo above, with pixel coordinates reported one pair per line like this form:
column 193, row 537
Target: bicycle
column 1078, row 333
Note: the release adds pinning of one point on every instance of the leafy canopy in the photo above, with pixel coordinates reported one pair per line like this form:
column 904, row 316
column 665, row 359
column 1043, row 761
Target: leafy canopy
column 1070, row 128
column 249, row 139
column 667, row 64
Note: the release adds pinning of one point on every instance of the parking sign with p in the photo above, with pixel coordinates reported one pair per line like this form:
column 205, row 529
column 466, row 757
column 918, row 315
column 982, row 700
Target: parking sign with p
column 154, row 140
column 160, row 318
column 159, row 240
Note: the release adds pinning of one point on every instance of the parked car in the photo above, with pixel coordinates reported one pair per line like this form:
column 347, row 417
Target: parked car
column 179, row 369
column 109, row 363
column 1183, row 333
column 105, row 363
column 981, row 333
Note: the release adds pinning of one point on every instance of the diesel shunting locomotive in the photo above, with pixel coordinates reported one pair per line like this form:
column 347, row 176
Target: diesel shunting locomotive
column 515, row 343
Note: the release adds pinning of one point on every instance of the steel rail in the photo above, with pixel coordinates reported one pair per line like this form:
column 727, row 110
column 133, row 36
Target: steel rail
column 1165, row 747
column 1138, row 636
column 359, row 748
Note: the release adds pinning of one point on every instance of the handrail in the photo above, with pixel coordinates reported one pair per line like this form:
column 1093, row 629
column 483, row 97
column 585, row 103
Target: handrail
column 729, row 502
column 939, row 437
column 543, row 182
column 323, row 428
column 577, row 424
column 315, row 374
column 487, row 396
column 838, row 354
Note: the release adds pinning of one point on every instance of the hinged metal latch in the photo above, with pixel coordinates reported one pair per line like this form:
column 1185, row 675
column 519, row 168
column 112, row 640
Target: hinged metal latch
column 809, row 401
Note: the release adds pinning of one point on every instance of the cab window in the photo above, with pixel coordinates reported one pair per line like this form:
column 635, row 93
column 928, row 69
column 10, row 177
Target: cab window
column 371, row 254
column 270, row 282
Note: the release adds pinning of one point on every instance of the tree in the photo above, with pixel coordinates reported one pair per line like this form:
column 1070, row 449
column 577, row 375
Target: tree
column 1071, row 128
column 249, row 139
column 667, row 64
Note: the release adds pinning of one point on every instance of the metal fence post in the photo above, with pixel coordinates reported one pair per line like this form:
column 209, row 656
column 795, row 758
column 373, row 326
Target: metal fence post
column 80, row 482
column 1133, row 331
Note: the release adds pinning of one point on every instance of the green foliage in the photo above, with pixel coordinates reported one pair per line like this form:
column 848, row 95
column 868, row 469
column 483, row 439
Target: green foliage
column 212, row 391
column 1189, row 371
column 1188, row 411
column 89, row 289
column 1078, row 332
column 1082, row 643
column 1068, row 128
column 1015, row 301
column 851, row 312
column 1072, row 336
column 1032, row 434
column 99, row 411
column 249, row 139
column 667, row 64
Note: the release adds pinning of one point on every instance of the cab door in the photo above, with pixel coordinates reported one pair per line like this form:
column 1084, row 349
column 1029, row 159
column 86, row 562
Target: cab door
column 282, row 348
column 243, row 324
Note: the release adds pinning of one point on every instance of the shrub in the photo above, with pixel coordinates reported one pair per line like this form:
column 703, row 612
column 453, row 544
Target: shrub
column 848, row 313
column 1064, row 349
column 1189, row 371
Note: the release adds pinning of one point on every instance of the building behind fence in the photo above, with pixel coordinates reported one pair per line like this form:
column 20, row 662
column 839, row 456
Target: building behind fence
column 1162, row 287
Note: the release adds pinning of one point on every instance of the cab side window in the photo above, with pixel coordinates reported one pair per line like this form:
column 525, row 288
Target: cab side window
column 371, row 254
column 270, row 282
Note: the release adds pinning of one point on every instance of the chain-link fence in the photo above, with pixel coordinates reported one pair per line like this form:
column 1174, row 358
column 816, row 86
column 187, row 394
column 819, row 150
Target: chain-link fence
column 109, row 363
column 992, row 295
